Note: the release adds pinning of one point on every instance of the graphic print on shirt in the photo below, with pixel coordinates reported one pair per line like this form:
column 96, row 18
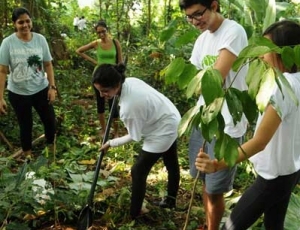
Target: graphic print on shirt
column 35, row 63
column 208, row 61
column 30, row 69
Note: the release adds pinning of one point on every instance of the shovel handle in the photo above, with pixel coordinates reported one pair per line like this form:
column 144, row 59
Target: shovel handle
column 105, row 139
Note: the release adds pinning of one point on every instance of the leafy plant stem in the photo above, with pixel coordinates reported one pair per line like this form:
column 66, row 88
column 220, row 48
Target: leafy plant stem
column 237, row 73
column 4, row 223
column 192, row 195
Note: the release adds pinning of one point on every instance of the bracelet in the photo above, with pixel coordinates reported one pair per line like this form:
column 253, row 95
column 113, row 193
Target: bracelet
column 52, row 87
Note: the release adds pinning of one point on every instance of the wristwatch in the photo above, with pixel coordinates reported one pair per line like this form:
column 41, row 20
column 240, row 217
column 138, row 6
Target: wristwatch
column 52, row 87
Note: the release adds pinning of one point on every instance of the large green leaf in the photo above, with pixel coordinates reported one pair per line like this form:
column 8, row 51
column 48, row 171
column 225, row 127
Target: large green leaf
column 214, row 129
column 211, row 85
column 220, row 146
column 196, row 121
column 221, row 124
column 270, row 16
column 265, row 42
column 186, row 119
column 266, row 89
column 226, row 148
column 256, row 48
column 173, row 70
column 235, row 106
column 254, row 75
column 194, row 87
column 249, row 107
column 293, row 215
column 209, row 61
column 210, row 130
column 187, row 75
column 260, row 47
column 232, row 152
column 297, row 55
column 211, row 111
column 288, row 57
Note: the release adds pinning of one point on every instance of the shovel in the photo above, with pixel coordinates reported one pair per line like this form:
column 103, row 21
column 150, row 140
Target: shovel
column 85, row 219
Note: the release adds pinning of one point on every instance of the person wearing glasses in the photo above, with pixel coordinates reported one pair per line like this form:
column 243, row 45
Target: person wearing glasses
column 108, row 51
column 218, row 45
column 26, row 57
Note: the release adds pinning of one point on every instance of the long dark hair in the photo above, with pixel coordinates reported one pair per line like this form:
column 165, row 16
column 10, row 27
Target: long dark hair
column 19, row 11
column 284, row 33
column 101, row 23
column 109, row 75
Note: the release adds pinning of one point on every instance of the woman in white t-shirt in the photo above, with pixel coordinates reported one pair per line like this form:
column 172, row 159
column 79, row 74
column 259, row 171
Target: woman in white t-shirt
column 274, row 149
column 148, row 116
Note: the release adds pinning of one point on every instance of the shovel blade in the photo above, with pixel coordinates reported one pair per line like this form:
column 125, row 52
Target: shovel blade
column 85, row 219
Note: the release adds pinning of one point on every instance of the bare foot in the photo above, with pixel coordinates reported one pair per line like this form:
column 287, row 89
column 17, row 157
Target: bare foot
column 144, row 210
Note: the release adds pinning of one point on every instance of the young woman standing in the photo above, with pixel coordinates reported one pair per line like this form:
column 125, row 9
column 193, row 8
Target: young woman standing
column 108, row 51
column 26, row 57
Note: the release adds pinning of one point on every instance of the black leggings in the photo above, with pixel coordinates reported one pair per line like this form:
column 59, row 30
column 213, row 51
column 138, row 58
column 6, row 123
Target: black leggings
column 22, row 105
column 268, row 197
column 141, row 169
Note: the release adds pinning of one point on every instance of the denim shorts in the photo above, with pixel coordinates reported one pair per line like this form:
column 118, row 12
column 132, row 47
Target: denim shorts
column 215, row 183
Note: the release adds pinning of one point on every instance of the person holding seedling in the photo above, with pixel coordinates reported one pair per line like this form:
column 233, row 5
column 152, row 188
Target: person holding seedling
column 274, row 148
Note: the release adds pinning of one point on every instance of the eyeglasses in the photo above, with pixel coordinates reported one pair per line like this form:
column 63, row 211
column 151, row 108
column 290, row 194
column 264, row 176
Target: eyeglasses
column 197, row 15
column 101, row 32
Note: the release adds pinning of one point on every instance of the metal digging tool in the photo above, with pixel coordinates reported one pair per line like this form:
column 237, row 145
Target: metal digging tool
column 85, row 219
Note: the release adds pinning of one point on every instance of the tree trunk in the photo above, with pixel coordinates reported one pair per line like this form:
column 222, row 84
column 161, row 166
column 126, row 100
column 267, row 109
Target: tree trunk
column 149, row 18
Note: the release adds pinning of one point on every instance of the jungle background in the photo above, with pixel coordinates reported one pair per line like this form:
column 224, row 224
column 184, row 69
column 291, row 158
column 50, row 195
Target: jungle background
column 153, row 34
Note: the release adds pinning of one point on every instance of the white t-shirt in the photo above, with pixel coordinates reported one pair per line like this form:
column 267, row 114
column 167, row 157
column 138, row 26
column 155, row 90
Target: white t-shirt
column 231, row 36
column 81, row 24
column 26, row 63
column 148, row 115
column 282, row 154
column 75, row 21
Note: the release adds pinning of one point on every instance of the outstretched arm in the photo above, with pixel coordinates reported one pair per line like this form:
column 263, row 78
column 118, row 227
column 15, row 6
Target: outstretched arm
column 116, row 142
